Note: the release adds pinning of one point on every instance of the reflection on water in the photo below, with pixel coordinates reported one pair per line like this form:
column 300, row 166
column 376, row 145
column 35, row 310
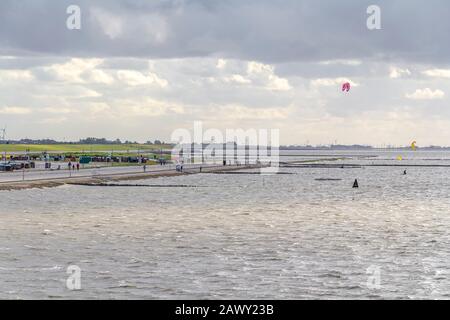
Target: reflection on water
column 236, row 236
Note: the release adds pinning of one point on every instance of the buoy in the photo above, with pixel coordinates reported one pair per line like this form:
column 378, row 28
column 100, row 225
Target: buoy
column 355, row 184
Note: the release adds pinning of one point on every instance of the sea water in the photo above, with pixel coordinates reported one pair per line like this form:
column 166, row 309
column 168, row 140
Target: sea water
column 241, row 236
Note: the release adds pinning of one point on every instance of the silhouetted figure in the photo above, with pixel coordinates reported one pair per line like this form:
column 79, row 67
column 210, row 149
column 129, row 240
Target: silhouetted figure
column 405, row 173
column 355, row 184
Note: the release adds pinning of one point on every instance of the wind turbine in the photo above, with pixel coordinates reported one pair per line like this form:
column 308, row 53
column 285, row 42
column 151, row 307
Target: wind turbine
column 3, row 132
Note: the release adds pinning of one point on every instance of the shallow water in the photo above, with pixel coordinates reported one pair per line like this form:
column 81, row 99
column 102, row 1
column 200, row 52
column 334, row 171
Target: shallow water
column 237, row 236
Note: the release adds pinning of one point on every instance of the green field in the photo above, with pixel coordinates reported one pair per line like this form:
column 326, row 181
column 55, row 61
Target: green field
column 80, row 148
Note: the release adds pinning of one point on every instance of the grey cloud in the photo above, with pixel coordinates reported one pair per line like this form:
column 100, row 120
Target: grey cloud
column 265, row 30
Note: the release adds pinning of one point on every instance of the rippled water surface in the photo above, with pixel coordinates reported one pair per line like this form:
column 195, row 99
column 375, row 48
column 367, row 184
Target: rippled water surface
column 237, row 236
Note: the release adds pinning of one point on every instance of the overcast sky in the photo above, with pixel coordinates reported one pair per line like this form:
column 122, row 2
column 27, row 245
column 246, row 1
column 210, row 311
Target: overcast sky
column 139, row 69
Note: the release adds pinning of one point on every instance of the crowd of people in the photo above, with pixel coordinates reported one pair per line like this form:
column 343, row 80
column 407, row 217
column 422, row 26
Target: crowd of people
column 74, row 166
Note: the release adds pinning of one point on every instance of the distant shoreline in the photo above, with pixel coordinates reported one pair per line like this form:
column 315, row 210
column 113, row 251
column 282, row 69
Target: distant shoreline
column 166, row 148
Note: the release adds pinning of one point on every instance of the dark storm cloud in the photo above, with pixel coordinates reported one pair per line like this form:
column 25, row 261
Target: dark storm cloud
column 266, row 30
